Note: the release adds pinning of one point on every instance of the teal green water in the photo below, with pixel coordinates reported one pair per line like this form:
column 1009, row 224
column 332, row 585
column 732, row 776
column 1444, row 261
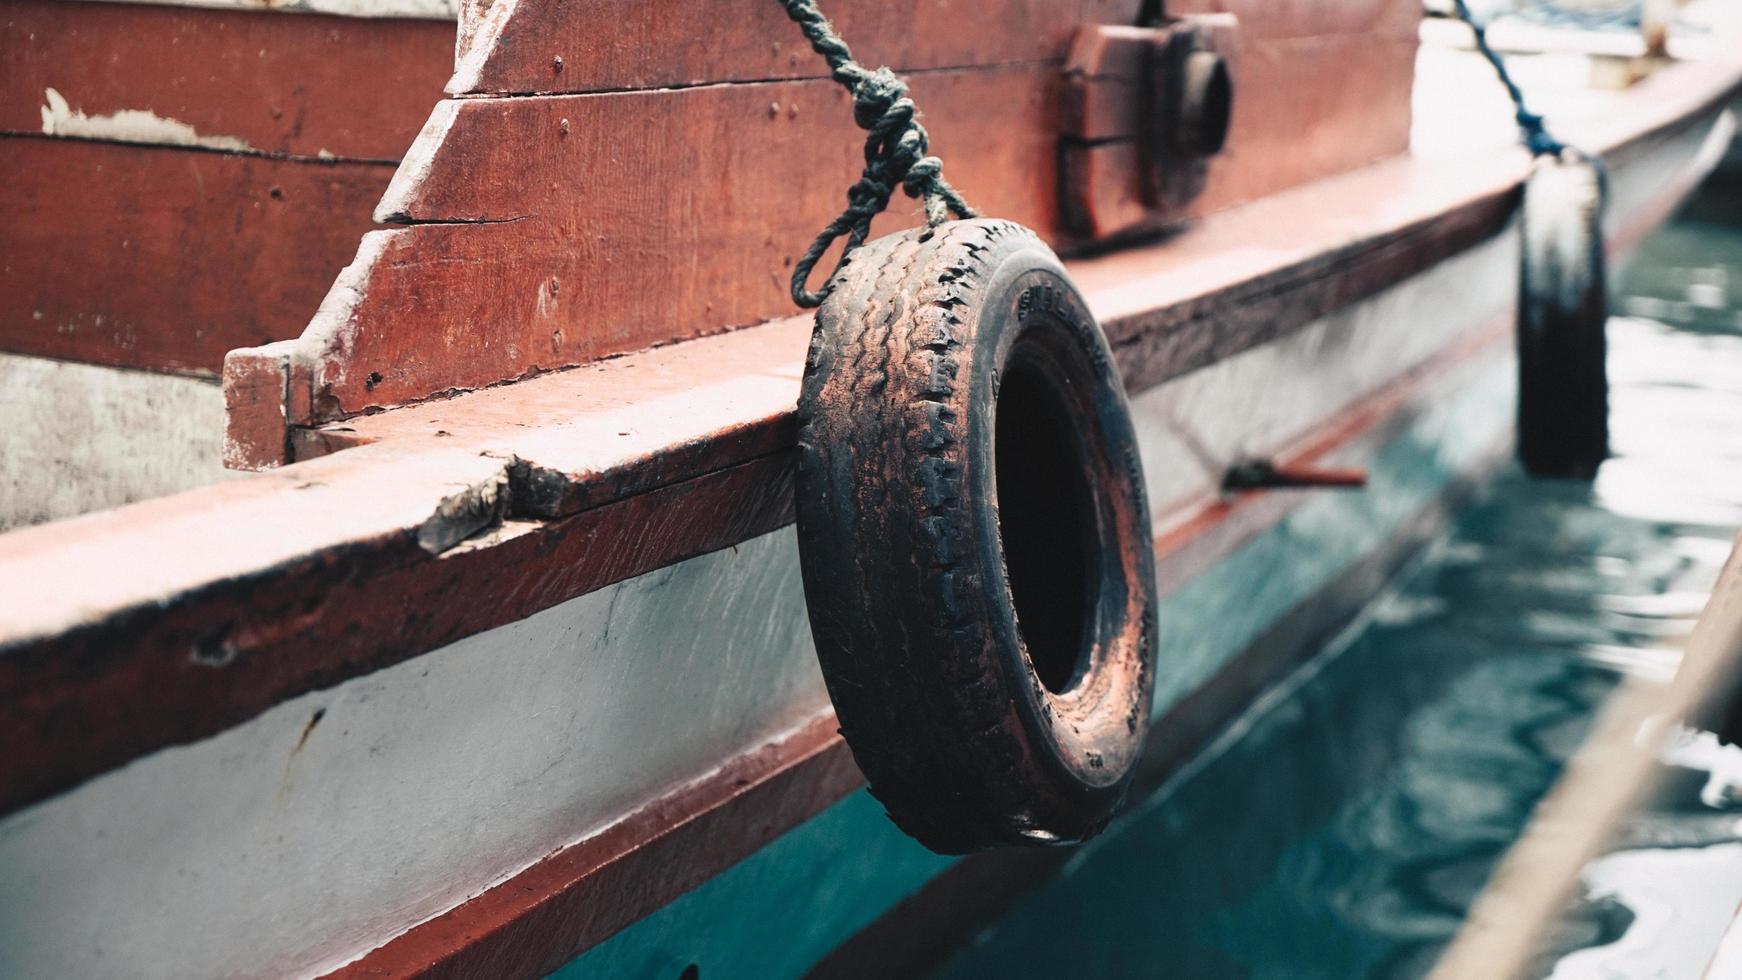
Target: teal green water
column 1344, row 827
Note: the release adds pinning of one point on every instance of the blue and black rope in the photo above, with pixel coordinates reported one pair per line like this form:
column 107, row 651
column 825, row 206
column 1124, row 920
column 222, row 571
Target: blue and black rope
column 1535, row 133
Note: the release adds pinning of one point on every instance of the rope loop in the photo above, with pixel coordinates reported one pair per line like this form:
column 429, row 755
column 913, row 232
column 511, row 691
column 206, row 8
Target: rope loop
column 896, row 152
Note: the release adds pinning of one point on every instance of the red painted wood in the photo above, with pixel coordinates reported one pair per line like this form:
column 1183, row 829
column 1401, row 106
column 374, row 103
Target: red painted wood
column 1309, row 18
column 623, row 44
column 597, row 256
column 303, row 85
column 1311, row 106
column 165, row 259
column 558, row 230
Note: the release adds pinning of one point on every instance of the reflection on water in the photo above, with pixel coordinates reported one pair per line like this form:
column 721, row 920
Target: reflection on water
column 1344, row 828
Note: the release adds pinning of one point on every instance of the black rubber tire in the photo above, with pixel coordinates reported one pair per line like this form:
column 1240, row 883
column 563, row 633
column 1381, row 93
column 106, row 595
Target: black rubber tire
column 1563, row 310
column 972, row 731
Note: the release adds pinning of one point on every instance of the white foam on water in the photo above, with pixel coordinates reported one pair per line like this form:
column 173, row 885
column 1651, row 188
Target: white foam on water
column 1682, row 899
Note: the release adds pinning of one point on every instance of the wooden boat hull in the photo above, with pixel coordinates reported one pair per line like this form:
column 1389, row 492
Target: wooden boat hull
column 468, row 767
column 428, row 702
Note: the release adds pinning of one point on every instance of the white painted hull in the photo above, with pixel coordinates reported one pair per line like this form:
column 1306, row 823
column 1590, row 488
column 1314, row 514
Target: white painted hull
column 81, row 437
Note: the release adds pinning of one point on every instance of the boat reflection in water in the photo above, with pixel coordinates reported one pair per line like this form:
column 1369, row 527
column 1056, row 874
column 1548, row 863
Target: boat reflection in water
column 1343, row 828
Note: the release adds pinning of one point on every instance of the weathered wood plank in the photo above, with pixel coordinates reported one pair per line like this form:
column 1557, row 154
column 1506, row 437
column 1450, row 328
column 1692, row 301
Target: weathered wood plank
column 312, row 86
column 588, row 256
column 1310, row 18
column 543, row 242
column 166, row 259
column 160, row 258
column 165, row 256
column 1356, row 95
column 437, row 10
column 545, row 46
column 513, row 46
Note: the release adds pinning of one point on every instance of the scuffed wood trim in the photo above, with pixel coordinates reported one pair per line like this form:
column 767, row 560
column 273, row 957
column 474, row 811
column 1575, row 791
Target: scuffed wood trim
column 257, row 435
column 143, row 273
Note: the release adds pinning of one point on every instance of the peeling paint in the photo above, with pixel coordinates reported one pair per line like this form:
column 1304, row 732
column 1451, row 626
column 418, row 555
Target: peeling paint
column 462, row 514
column 536, row 491
column 129, row 126
column 481, row 23
column 402, row 191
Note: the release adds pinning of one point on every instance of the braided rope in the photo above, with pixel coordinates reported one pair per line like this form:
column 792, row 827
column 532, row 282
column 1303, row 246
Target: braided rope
column 895, row 152
column 1536, row 135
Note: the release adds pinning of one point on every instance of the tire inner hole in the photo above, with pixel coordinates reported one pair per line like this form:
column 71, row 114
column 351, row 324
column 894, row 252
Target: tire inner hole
column 1046, row 519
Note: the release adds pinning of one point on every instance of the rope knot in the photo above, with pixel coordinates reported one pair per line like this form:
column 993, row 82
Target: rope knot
column 895, row 152
column 874, row 95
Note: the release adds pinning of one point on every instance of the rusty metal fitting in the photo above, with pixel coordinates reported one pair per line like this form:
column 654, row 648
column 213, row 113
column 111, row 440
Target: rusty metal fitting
column 1263, row 474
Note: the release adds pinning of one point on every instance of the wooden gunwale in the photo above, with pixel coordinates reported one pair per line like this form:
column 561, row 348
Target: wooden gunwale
column 327, row 570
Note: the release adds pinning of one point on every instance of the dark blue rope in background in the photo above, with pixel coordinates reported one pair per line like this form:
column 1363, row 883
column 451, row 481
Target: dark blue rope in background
column 1536, row 135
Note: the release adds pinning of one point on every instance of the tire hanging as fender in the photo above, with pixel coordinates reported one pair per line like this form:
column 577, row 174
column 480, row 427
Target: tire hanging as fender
column 972, row 525
column 975, row 539
column 1563, row 310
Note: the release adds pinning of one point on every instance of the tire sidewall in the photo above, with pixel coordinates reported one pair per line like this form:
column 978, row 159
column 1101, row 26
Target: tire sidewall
column 1087, row 738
